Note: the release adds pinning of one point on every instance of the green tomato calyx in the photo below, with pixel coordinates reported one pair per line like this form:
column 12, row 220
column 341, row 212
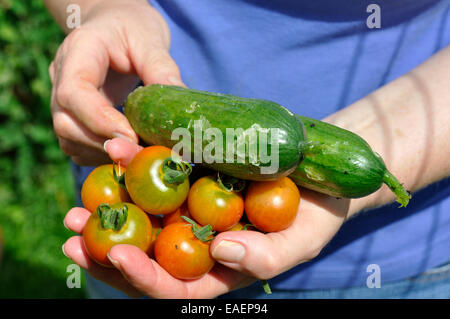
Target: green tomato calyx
column 112, row 218
column 230, row 183
column 175, row 171
column 204, row 233
column 119, row 178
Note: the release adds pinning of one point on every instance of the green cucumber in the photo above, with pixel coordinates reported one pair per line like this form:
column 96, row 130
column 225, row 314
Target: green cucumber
column 340, row 163
column 156, row 111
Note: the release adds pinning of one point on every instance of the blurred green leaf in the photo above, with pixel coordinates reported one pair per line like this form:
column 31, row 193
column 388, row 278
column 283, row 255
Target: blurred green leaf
column 36, row 188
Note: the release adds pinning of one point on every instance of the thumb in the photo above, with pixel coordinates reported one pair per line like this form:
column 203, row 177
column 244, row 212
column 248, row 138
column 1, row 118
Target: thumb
column 262, row 256
column 250, row 252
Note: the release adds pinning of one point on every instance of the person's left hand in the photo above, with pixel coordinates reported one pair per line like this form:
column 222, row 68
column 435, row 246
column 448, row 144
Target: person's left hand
column 248, row 255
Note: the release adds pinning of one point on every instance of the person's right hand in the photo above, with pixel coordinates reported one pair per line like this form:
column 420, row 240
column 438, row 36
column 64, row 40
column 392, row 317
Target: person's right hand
column 97, row 65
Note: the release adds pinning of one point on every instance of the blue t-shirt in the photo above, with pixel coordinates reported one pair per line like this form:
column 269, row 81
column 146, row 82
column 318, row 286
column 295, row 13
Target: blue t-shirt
column 316, row 57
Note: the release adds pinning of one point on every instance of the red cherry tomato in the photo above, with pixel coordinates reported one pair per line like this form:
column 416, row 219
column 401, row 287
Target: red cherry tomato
column 181, row 253
column 272, row 206
column 211, row 203
column 100, row 187
column 149, row 182
column 121, row 223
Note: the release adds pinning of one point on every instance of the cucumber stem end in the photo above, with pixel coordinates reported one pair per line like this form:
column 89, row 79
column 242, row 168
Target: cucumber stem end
column 403, row 196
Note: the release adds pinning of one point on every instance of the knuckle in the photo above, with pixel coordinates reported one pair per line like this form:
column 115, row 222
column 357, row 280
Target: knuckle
column 63, row 94
column 60, row 126
column 313, row 253
column 270, row 267
column 74, row 35
column 161, row 61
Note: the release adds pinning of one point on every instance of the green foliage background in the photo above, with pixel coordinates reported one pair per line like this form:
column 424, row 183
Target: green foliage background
column 36, row 185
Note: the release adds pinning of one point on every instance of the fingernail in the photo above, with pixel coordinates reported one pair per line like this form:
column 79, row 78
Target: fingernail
column 64, row 251
column 122, row 136
column 229, row 251
column 105, row 144
column 175, row 81
column 113, row 261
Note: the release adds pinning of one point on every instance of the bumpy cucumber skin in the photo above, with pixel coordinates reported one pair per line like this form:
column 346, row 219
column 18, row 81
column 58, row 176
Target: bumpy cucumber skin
column 155, row 111
column 339, row 162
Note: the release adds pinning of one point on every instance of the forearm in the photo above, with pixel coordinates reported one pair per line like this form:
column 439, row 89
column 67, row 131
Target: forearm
column 58, row 9
column 407, row 123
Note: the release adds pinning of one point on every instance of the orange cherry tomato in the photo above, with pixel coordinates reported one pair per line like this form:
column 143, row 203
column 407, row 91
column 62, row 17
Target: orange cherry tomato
column 151, row 183
column 100, row 187
column 272, row 206
column 181, row 253
column 175, row 216
column 121, row 223
column 156, row 229
column 211, row 203
column 242, row 226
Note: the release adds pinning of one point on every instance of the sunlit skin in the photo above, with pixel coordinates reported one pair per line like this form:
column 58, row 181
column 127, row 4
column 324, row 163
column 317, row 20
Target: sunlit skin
column 210, row 204
column 272, row 206
column 136, row 231
column 145, row 184
column 100, row 187
column 181, row 254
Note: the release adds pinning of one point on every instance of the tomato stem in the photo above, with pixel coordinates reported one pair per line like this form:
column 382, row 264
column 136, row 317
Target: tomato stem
column 175, row 171
column 403, row 196
column 112, row 218
column 119, row 178
column 230, row 183
column 202, row 233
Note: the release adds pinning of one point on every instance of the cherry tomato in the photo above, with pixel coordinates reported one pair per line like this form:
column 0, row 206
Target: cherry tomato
column 156, row 229
column 181, row 253
column 211, row 203
column 242, row 226
column 100, row 187
column 151, row 183
column 175, row 216
column 272, row 205
column 121, row 223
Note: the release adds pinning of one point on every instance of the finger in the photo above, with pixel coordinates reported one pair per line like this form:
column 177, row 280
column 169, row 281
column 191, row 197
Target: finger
column 76, row 218
column 88, row 161
column 148, row 277
column 74, row 249
column 68, row 127
column 152, row 61
column 267, row 255
column 121, row 150
column 51, row 72
column 117, row 86
column 89, row 156
column 81, row 74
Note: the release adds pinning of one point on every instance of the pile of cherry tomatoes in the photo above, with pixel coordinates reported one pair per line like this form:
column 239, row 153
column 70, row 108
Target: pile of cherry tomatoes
column 151, row 204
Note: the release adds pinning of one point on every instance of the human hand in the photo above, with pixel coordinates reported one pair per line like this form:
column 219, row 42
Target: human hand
column 97, row 65
column 136, row 274
column 263, row 256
